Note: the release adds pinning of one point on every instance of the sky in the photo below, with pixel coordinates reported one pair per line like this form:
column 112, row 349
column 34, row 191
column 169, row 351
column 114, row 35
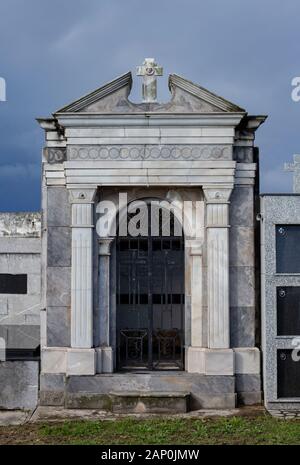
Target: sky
column 51, row 53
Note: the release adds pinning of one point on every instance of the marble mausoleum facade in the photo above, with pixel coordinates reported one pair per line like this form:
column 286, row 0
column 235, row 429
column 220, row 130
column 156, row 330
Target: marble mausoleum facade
column 199, row 148
column 125, row 316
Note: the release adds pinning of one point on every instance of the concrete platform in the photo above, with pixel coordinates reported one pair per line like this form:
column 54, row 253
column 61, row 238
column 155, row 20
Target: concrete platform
column 60, row 414
column 95, row 392
column 150, row 402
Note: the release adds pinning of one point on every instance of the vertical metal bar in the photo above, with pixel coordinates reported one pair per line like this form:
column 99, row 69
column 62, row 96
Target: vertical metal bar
column 150, row 299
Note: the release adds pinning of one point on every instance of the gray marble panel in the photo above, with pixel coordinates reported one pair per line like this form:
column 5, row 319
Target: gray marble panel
column 58, row 286
column 242, row 286
column 241, row 210
column 160, row 381
column 52, row 381
column 20, row 336
column 241, row 246
column 242, row 326
column 52, row 389
column 248, row 383
column 58, row 326
column 19, row 384
column 58, row 207
column 59, row 246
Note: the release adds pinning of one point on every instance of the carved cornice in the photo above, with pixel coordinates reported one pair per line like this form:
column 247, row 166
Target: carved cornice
column 150, row 152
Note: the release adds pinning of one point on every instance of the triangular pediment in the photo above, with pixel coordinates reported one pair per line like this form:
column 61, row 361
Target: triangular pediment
column 114, row 93
column 187, row 97
column 186, row 93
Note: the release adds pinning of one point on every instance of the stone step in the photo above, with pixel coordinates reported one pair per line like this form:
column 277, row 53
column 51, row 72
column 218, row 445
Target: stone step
column 150, row 402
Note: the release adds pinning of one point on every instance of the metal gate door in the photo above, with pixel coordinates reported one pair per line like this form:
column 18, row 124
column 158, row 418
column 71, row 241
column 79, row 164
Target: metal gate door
column 150, row 302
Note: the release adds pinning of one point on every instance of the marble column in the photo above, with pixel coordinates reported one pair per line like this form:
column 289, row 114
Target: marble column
column 81, row 357
column 217, row 230
column 196, row 294
column 104, row 352
column 194, row 360
column 219, row 358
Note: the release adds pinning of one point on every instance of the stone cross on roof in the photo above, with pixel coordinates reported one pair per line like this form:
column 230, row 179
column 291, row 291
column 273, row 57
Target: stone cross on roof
column 295, row 168
column 149, row 70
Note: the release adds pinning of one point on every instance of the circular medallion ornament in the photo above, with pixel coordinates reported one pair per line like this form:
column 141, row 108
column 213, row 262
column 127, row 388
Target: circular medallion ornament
column 150, row 71
column 113, row 153
column 93, row 153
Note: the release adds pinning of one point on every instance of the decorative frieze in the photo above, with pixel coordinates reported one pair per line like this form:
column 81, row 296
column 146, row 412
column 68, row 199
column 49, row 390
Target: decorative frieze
column 55, row 154
column 150, row 152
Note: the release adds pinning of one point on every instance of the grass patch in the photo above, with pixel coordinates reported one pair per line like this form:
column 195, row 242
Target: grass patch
column 261, row 429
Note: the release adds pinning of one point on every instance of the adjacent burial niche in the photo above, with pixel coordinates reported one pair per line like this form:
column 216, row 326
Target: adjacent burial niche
column 280, row 247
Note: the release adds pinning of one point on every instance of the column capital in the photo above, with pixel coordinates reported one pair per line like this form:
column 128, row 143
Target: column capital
column 217, row 193
column 104, row 245
column 82, row 194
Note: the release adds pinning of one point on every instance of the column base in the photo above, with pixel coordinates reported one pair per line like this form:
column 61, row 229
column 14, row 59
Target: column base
column 247, row 360
column 53, row 359
column 105, row 360
column 81, row 362
column 210, row 361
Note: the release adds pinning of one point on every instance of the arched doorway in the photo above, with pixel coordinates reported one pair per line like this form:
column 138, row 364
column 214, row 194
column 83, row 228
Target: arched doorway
column 150, row 299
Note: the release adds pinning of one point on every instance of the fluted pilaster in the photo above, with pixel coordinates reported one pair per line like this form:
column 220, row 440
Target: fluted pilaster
column 217, row 204
column 82, row 268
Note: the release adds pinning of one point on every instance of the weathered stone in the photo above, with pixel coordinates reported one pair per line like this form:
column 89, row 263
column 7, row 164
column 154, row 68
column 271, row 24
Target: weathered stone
column 54, row 360
column 248, row 383
column 242, row 286
column 59, row 246
column 58, row 326
column 150, row 402
column 18, row 384
column 242, row 326
column 249, row 398
column 242, row 208
column 206, row 391
column 52, row 389
column 20, row 336
column 59, row 286
column 241, row 246
column 81, row 362
column 247, row 360
column 58, row 207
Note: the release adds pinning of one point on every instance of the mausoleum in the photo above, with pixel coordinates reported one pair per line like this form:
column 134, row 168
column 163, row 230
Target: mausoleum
column 151, row 320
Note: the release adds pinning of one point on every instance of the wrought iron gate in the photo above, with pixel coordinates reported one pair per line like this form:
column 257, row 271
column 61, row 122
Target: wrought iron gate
column 150, row 302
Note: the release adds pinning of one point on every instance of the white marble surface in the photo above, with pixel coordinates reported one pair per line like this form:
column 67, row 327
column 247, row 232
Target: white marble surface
column 81, row 362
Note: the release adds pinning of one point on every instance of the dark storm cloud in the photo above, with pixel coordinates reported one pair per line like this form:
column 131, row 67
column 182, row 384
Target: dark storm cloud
column 53, row 52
